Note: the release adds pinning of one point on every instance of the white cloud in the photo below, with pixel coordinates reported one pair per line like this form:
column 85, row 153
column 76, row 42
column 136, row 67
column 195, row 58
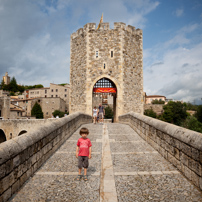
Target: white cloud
column 178, row 75
column 179, row 12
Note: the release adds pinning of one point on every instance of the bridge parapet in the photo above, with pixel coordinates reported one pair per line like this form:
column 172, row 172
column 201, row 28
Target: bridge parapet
column 21, row 156
column 180, row 146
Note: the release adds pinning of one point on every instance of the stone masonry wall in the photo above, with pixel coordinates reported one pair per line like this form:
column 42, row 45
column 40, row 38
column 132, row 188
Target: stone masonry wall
column 133, row 70
column 178, row 145
column 23, row 155
column 78, row 77
column 124, row 67
column 158, row 108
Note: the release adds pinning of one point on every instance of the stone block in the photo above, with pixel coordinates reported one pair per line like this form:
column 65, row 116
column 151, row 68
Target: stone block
column 9, row 166
column 7, row 194
column 6, row 182
column 187, row 172
column 195, row 153
column 195, row 167
column 176, row 143
column 177, row 153
column 200, row 157
column 195, row 178
column 200, row 183
column 184, row 159
column 2, row 170
column 16, row 161
column 185, row 149
column 23, row 178
column 15, row 187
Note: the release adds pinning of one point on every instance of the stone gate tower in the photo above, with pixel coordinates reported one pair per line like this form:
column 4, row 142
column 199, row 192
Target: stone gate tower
column 113, row 54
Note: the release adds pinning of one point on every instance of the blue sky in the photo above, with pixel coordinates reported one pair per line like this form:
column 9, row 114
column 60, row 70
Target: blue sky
column 35, row 40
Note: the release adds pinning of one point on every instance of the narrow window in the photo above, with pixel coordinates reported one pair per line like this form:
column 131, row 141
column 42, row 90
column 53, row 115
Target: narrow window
column 104, row 65
column 96, row 54
column 112, row 54
column 56, row 90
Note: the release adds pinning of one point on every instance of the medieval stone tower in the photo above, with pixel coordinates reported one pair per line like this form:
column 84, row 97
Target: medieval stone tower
column 107, row 57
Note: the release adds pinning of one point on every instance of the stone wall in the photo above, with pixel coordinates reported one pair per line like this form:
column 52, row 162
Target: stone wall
column 13, row 127
column 158, row 108
column 23, row 155
column 5, row 107
column 118, row 58
column 182, row 147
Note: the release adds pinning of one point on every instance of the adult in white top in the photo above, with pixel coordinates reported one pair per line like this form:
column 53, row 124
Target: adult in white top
column 95, row 114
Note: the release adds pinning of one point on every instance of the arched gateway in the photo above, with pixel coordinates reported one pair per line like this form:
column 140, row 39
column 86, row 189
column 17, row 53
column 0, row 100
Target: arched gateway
column 106, row 64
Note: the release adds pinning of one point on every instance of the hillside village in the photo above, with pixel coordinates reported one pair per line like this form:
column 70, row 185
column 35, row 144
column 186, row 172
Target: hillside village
column 54, row 97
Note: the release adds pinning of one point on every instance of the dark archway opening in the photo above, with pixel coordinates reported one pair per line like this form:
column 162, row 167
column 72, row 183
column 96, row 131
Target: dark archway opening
column 22, row 132
column 2, row 136
column 105, row 92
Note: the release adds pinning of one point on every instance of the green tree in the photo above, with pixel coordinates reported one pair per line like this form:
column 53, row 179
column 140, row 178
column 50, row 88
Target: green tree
column 58, row 113
column 150, row 113
column 174, row 112
column 158, row 102
column 12, row 86
column 192, row 123
column 37, row 111
column 2, row 84
column 198, row 114
column 108, row 112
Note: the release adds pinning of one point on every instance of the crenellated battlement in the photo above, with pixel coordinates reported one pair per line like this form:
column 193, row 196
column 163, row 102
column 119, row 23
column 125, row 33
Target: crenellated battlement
column 105, row 26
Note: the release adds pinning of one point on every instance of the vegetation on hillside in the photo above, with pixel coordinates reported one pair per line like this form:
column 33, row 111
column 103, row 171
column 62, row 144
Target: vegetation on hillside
column 13, row 87
column 175, row 113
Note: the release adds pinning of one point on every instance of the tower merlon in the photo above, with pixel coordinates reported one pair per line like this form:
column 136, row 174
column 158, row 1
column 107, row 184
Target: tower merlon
column 105, row 26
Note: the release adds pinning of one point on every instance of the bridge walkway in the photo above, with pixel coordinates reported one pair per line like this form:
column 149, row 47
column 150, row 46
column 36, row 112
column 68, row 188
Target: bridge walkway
column 123, row 168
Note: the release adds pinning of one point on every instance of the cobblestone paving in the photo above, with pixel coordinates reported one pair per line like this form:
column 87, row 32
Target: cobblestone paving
column 140, row 173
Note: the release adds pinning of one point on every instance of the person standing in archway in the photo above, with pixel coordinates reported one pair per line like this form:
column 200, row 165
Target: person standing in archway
column 101, row 113
column 95, row 112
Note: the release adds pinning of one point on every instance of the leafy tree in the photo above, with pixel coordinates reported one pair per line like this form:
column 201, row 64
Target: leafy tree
column 58, row 113
column 192, row 123
column 13, row 86
column 37, row 111
column 158, row 102
column 34, row 86
column 198, row 114
column 150, row 113
column 174, row 112
column 190, row 106
column 2, row 85
column 108, row 112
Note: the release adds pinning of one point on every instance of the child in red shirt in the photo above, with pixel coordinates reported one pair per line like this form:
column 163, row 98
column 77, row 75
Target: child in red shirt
column 83, row 152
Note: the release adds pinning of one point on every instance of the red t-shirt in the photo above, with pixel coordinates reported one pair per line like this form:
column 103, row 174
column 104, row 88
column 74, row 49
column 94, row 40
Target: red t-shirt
column 84, row 145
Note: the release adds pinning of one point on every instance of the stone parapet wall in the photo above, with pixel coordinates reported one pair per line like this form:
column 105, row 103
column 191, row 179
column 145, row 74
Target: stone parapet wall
column 182, row 147
column 23, row 155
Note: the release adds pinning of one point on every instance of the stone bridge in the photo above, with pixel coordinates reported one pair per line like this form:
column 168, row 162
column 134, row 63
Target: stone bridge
column 11, row 128
column 137, row 159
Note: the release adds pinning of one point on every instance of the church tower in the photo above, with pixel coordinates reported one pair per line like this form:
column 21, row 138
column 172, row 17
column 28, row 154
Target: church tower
column 107, row 61
column 6, row 78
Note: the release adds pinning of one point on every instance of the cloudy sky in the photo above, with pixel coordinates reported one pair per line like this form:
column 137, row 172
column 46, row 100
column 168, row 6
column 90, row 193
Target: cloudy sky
column 35, row 40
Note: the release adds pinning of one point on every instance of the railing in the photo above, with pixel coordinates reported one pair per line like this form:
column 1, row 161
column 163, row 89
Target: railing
column 182, row 147
column 20, row 157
